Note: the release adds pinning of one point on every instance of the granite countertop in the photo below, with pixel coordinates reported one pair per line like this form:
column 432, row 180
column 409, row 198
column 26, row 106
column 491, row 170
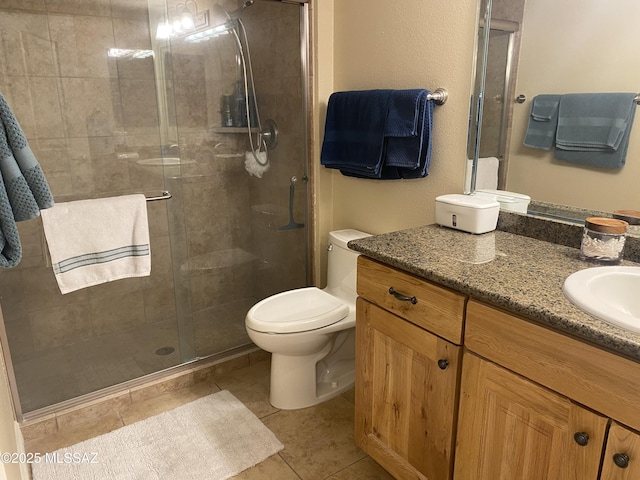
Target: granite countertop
column 516, row 273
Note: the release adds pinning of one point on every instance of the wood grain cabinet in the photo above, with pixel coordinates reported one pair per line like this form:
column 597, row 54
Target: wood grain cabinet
column 449, row 388
column 406, row 375
column 535, row 415
column 511, row 428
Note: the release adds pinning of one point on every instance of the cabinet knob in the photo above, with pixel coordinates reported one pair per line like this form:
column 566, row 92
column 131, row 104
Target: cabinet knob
column 443, row 364
column 621, row 460
column 581, row 438
column 402, row 297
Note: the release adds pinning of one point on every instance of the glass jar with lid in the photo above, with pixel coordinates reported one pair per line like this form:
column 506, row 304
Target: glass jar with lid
column 603, row 240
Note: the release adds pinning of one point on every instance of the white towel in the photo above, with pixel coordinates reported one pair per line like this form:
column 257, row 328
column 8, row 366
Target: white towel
column 98, row 241
column 487, row 175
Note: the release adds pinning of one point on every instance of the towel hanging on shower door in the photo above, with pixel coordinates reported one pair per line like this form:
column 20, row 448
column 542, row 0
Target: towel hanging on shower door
column 98, row 240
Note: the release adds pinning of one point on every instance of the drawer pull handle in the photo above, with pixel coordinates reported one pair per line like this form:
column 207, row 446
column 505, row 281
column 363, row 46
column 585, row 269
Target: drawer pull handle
column 621, row 460
column 402, row 297
column 443, row 363
column 581, row 438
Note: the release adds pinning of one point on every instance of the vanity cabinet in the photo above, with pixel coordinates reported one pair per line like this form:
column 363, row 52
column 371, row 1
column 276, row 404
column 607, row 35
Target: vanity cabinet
column 512, row 428
column 537, row 404
column 407, row 371
column 451, row 388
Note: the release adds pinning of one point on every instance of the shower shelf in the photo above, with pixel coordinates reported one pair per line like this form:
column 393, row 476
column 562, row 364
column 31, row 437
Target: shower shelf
column 232, row 130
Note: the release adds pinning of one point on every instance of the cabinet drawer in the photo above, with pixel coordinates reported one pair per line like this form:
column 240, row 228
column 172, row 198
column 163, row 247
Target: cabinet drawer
column 437, row 309
column 600, row 380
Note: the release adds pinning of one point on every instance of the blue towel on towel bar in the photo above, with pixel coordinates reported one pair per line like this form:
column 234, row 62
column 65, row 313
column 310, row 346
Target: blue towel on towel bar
column 543, row 121
column 594, row 128
column 383, row 134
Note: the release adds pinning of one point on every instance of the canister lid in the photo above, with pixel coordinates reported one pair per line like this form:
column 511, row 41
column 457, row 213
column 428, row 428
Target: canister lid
column 606, row 225
column 469, row 201
column 632, row 217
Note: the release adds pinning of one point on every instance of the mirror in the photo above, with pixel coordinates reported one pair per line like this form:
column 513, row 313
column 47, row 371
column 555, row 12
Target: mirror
column 550, row 47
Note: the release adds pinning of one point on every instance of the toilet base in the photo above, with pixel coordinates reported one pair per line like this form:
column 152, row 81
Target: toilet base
column 296, row 382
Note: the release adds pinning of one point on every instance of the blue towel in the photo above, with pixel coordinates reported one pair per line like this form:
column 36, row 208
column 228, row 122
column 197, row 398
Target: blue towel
column 354, row 131
column 594, row 128
column 543, row 121
column 382, row 134
column 24, row 191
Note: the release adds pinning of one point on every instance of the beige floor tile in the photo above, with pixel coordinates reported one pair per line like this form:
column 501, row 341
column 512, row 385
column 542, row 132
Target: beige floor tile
column 168, row 401
column 271, row 468
column 71, row 436
column 365, row 469
column 318, row 440
column 250, row 385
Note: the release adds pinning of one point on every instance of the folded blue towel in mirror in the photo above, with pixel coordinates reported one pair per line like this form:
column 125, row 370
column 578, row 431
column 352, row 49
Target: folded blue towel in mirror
column 384, row 134
column 594, row 128
column 543, row 121
column 594, row 121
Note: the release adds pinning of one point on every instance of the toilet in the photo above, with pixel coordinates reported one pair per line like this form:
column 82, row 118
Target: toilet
column 311, row 332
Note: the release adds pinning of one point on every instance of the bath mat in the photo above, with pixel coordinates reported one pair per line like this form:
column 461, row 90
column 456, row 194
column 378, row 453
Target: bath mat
column 212, row 438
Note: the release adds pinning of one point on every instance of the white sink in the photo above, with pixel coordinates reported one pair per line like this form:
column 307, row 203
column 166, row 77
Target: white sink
column 611, row 294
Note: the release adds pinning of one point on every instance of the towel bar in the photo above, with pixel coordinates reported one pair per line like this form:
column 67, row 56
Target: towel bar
column 166, row 195
column 439, row 96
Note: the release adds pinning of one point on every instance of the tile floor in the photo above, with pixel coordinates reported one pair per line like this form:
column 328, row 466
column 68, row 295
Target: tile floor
column 318, row 440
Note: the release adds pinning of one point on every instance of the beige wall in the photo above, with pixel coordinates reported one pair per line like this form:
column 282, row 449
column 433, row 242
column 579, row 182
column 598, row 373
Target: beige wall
column 598, row 44
column 409, row 44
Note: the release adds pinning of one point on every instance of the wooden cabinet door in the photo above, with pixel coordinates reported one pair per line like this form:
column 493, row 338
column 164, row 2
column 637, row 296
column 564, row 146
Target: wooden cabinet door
column 511, row 428
column 622, row 455
column 406, row 385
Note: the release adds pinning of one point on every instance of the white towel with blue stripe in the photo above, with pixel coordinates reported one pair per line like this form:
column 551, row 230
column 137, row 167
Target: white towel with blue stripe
column 98, row 240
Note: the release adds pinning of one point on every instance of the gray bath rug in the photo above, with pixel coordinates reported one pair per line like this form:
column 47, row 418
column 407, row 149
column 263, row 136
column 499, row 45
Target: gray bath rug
column 212, row 438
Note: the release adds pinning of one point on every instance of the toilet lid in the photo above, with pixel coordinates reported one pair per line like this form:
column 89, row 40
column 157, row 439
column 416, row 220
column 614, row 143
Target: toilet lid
column 297, row 310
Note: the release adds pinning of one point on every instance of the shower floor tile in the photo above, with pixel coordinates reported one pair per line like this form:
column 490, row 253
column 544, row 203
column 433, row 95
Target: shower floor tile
column 67, row 372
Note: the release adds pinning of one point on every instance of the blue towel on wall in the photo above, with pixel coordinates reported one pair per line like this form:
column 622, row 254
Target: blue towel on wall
column 543, row 121
column 594, row 128
column 24, row 191
column 354, row 131
column 382, row 134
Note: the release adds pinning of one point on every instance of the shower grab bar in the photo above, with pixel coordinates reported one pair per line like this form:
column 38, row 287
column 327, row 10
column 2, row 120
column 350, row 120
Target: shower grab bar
column 440, row 96
column 166, row 195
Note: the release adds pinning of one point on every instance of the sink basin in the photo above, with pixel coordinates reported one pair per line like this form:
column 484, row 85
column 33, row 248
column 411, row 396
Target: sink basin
column 611, row 294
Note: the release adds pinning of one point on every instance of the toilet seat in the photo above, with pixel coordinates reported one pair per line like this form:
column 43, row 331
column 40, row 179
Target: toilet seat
column 296, row 311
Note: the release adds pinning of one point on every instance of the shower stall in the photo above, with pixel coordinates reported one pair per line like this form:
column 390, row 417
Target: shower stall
column 204, row 99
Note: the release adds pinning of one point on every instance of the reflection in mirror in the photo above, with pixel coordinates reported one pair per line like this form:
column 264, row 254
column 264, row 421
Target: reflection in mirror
column 573, row 46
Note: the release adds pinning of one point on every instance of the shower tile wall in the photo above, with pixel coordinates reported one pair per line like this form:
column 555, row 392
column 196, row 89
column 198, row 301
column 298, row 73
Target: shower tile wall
column 83, row 112
column 89, row 118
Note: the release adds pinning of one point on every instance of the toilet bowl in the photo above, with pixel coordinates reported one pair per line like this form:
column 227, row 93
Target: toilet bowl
column 310, row 332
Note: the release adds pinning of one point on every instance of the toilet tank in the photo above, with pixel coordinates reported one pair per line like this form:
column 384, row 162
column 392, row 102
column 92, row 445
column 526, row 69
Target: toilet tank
column 342, row 262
